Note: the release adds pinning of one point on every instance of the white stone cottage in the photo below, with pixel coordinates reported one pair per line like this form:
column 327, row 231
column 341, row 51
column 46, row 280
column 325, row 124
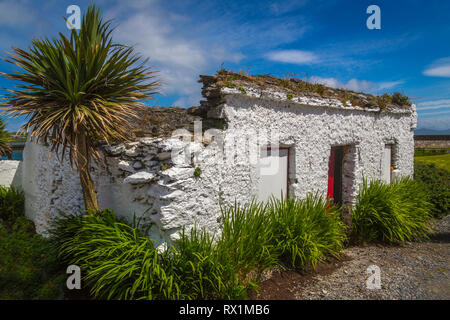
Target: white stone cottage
column 253, row 136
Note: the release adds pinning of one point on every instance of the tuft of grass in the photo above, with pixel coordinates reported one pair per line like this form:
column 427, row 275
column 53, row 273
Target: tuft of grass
column 197, row 172
column 305, row 231
column 201, row 271
column 28, row 265
column 248, row 238
column 117, row 260
column 12, row 203
column 242, row 89
column 391, row 213
column 228, row 84
column 400, row 99
column 120, row 262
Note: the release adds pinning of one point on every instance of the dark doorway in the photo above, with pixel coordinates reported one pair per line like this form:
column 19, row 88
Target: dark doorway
column 334, row 193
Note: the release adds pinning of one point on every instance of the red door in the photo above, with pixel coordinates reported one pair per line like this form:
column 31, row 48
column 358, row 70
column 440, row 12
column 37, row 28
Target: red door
column 331, row 162
column 334, row 192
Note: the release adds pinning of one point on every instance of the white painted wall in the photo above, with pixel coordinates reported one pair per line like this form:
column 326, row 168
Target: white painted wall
column 10, row 173
column 312, row 130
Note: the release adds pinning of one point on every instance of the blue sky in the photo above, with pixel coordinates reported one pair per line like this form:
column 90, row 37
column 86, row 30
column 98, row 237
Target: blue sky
column 322, row 41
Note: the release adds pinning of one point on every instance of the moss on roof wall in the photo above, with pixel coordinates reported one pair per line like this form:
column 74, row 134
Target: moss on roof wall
column 296, row 87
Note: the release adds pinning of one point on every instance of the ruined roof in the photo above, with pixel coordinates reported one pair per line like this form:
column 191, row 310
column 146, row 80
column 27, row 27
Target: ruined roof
column 294, row 89
column 162, row 121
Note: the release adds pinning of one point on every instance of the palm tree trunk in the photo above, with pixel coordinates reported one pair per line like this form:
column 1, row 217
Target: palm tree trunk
column 87, row 185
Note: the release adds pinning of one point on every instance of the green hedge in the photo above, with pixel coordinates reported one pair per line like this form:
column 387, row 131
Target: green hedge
column 437, row 184
column 28, row 267
column 12, row 203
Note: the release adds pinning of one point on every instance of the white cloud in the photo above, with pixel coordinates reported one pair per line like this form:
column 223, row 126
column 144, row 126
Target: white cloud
column 436, row 123
column 440, row 68
column 180, row 59
column 437, row 117
column 433, row 105
column 434, row 113
column 292, row 56
column 355, row 84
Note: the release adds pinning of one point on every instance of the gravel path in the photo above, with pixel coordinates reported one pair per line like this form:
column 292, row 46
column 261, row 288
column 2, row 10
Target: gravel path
column 418, row 270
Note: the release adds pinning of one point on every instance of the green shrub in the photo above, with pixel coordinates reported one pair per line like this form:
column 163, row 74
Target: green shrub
column 390, row 213
column 12, row 203
column 116, row 260
column 306, row 230
column 247, row 238
column 437, row 183
column 28, row 265
column 194, row 263
column 201, row 271
column 400, row 99
column 119, row 262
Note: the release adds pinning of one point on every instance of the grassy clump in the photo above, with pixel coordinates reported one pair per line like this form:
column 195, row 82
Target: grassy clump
column 28, row 265
column 116, row 260
column 242, row 89
column 391, row 213
column 306, row 231
column 247, row 239
column 197, row 172
column 119, row 262
column 12, row 203
column 437, row 183
column 400, row 99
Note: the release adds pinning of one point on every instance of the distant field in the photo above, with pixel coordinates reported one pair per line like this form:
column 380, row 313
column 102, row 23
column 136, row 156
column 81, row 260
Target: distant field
column 442, row 160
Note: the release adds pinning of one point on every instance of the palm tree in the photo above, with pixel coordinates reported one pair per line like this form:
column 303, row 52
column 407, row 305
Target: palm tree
column 5, row 148
column 79, row 90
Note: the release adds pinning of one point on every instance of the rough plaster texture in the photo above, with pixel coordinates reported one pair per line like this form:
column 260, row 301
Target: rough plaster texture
column 147, row 178
column 10, row 173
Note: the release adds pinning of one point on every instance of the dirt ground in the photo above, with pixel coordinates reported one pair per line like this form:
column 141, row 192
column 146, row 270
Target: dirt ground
column 418, row 270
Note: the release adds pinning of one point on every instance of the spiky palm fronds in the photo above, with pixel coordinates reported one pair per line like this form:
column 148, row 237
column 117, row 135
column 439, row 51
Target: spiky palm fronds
column 5, row 148
column 79, row 90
